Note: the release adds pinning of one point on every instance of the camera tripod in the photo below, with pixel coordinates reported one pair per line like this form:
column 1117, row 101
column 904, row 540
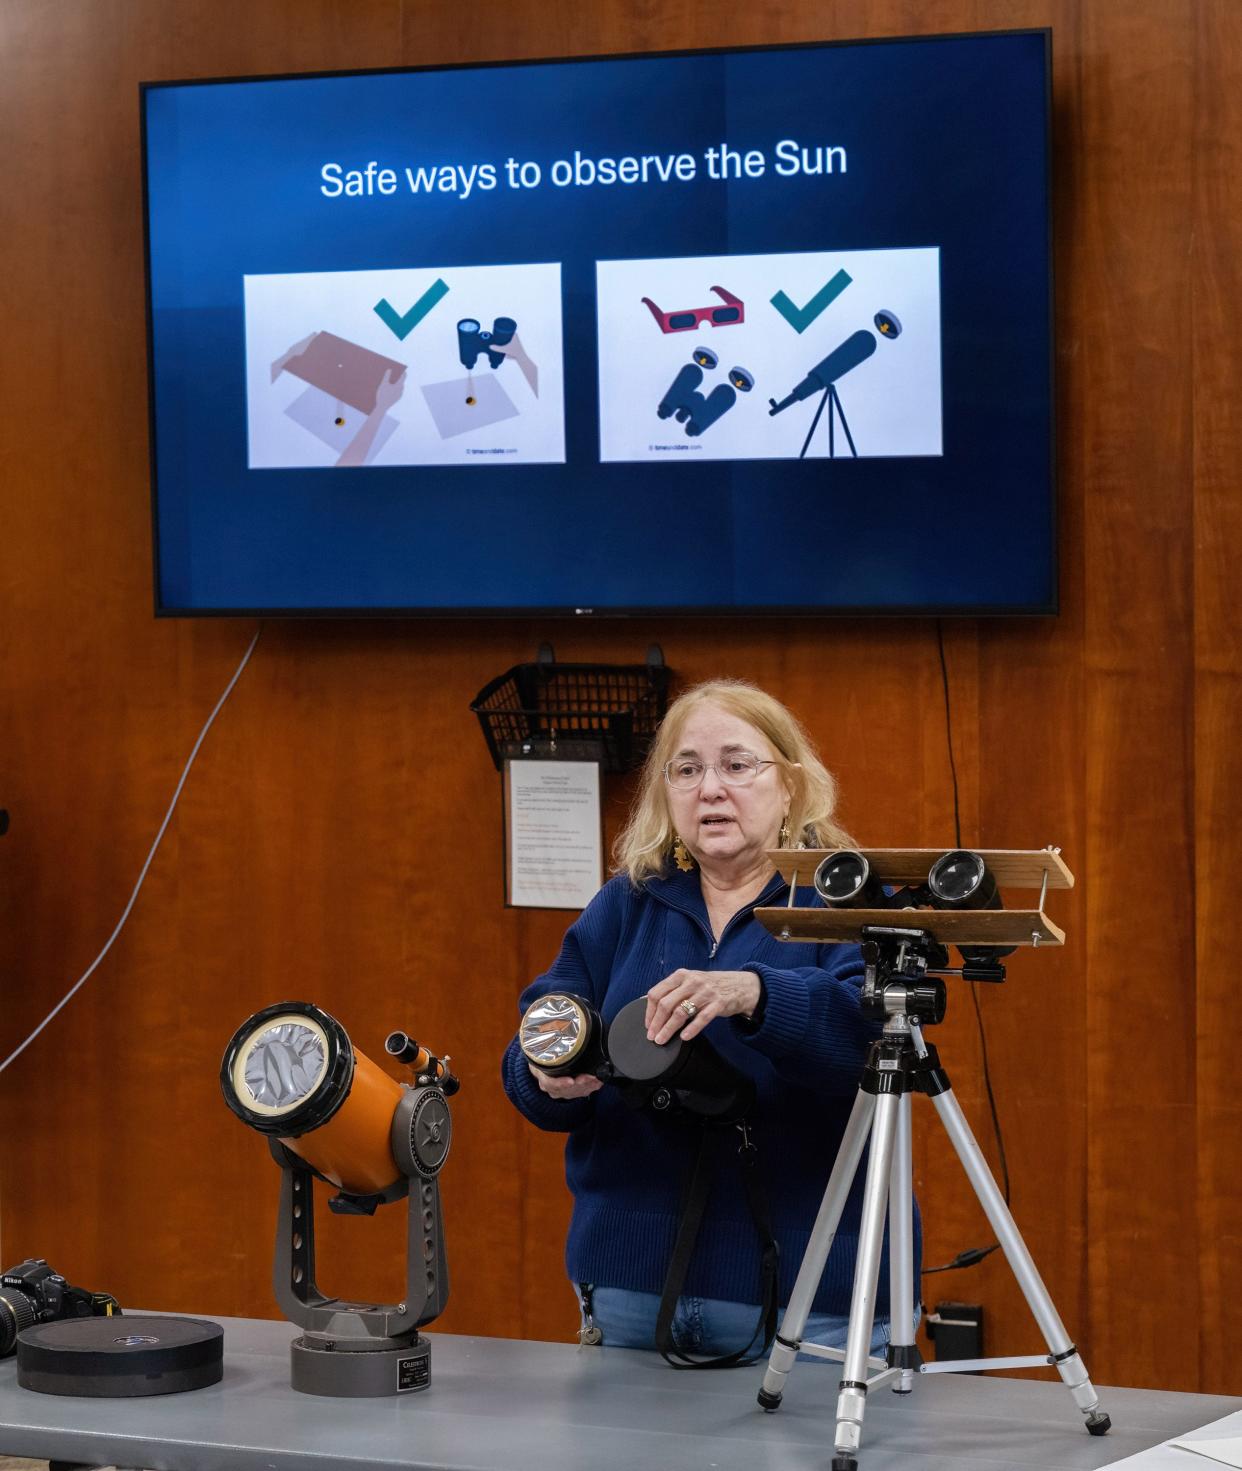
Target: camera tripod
column 900, row 989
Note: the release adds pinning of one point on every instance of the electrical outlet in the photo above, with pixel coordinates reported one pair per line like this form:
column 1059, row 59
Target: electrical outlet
column 956, row 1329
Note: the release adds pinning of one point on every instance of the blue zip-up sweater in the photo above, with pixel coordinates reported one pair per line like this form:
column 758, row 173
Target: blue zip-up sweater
column 627, row 1168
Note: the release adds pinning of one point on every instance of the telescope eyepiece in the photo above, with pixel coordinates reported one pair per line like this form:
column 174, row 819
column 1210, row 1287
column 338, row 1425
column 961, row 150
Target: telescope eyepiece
column 401, row 1046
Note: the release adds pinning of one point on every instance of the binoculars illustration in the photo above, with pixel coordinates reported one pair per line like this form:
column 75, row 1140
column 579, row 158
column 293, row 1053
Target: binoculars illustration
column 698, row 412
column 473, row 339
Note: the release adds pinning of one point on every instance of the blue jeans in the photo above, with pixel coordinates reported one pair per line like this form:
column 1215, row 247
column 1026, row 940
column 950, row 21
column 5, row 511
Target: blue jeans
column 706, row 1325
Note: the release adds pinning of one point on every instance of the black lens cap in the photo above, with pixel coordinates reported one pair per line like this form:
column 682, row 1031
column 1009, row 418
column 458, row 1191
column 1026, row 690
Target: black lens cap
column 631, row 1051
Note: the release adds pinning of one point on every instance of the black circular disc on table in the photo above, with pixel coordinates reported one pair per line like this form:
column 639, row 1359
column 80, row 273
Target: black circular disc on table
column 121, row 1357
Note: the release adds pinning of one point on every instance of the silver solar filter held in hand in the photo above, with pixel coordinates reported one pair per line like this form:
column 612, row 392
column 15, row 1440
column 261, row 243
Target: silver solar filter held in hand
column 562, row 1035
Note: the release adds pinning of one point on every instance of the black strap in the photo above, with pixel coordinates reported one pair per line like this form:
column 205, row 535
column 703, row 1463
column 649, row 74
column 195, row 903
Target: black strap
column 693, row 1207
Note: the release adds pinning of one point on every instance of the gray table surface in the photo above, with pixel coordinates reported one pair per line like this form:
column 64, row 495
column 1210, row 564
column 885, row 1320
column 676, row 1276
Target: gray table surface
column 500, row 1403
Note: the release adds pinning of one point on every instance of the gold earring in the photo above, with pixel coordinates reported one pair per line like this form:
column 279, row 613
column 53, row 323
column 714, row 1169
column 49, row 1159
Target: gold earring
column 783, row 841
column 681, row 856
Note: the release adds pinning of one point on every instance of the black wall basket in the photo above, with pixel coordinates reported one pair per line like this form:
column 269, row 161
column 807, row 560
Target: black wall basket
column 577, row 712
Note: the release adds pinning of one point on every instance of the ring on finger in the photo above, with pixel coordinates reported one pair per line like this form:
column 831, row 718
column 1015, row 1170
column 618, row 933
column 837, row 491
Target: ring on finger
column 690, row 1009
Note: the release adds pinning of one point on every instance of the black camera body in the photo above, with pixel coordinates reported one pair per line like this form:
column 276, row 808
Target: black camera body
column 33, row 1293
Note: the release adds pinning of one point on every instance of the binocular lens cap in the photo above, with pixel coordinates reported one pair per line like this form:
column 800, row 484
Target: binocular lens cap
column 630, row 1050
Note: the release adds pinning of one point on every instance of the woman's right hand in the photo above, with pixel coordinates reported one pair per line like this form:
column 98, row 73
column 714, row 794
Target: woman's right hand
column 580, row 1087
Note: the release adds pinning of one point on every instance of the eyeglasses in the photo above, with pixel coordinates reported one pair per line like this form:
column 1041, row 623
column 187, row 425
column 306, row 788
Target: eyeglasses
column 734, row 311
column 684, row 773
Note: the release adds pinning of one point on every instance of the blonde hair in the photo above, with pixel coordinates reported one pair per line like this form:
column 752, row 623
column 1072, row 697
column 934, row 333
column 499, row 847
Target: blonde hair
column 643, row 846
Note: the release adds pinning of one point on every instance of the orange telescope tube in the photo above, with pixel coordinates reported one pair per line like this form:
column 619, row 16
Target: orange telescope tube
column 291, row 1073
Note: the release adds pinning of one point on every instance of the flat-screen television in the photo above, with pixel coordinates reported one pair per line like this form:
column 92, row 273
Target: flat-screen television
column 739, row 331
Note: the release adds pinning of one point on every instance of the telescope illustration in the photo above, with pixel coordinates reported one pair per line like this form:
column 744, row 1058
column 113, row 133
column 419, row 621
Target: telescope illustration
column 822, row 378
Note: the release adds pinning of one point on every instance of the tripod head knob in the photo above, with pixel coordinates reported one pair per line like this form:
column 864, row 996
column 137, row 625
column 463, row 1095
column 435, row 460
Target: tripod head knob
column 896, row 980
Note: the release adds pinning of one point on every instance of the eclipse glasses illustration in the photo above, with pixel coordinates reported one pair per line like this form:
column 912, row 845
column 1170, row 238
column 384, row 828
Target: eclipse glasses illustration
column 731, row 314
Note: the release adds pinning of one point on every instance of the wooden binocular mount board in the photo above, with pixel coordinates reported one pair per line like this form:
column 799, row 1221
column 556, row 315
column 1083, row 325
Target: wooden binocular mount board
column 1041, row 869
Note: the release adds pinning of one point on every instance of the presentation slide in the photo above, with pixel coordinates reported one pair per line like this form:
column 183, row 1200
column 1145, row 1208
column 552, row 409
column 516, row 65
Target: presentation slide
column 745, row 330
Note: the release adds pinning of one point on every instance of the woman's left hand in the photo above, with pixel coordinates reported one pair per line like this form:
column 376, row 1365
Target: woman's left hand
column 711, row 993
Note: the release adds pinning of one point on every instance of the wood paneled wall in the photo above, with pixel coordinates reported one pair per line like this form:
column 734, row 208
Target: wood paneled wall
column 304, row 858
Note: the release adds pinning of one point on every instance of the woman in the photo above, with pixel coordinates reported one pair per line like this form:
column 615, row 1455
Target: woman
column 731, row 775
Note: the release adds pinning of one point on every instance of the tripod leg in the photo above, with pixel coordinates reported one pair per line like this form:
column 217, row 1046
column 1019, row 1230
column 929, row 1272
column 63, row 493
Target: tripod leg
column 845, row 1167
column 1064, row 1355
column 902, row 1353
column 852, row 1399
column 836, row 398
column 806, row 444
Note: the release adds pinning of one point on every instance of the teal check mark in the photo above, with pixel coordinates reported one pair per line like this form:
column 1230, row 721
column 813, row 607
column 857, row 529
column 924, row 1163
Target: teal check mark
column 401, row 326
column 801, row 317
